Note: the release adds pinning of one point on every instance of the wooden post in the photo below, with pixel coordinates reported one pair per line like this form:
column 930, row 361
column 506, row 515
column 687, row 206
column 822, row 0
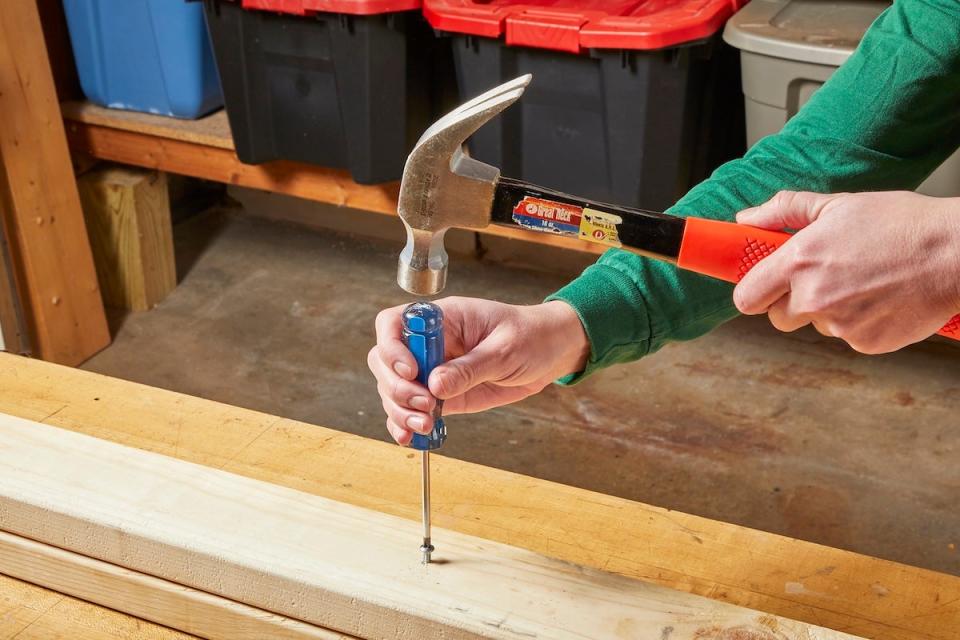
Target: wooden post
column 128, row 219
column 38, row 197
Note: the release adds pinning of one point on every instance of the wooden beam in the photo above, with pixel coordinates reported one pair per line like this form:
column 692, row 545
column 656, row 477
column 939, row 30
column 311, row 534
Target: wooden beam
column 127, row 211
column 866, row 596
column 148, row 598
column 39, row 198
column 29, row 612
column 325, row 563
column 204, row 149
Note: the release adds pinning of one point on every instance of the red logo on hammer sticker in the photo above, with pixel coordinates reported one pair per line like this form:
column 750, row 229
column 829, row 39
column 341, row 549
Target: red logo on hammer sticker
column 539, row 214
column 599, row 234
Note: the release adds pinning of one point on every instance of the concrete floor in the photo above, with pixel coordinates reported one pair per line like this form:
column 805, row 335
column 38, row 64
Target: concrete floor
column 793, row 434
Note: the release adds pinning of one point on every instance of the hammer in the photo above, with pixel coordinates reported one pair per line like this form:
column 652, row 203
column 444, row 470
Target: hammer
column 443, row 188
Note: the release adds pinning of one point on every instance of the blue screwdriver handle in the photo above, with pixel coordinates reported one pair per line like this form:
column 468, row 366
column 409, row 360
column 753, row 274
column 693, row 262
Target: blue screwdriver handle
column 423, row 335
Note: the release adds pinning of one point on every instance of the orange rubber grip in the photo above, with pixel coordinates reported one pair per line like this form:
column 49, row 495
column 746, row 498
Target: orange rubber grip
column 727, row 251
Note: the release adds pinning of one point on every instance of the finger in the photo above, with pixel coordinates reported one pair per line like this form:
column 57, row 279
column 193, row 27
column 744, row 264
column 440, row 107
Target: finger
column 399, row 434
column 407, row 393
column 411, row 420
column 823, row 329
column 786, row 210
column 390, row 345
column 784, row 317
column 764, row 284
column 488, row 361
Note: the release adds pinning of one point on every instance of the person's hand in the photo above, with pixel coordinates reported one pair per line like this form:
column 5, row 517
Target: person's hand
column 496, row 354
column 879, row 270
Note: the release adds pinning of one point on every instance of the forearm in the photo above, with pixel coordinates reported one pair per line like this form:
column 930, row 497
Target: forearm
column 885, row 120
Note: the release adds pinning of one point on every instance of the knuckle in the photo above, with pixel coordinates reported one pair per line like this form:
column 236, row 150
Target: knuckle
column 783, row 198
column 504, row 352
column 780, row 323
column 803, row 253
column 385, row 317
column 866, row 348
column 395, row 390
column 813, row 306
column 458, row 376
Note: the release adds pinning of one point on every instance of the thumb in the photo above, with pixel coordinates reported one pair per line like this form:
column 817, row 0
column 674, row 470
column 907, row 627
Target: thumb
column 786, row 210
column 483, row 363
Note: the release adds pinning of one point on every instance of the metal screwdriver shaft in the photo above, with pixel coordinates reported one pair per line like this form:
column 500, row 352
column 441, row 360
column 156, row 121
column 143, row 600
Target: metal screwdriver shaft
column 423, row 335
column 426, row 548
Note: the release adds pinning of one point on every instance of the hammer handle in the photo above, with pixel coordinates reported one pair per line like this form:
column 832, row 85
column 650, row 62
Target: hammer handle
column 722, row 250
column 727, row 251
column 521, row 204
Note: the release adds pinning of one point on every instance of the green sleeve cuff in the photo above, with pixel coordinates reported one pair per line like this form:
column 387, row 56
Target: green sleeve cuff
column 610, row 305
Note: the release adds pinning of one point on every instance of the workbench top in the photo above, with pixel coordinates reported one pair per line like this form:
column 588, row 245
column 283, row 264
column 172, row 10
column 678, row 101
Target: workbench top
column 795, row 579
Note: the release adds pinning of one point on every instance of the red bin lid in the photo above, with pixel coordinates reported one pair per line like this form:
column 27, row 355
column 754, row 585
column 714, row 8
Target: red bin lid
column 574, row 25
column 352, row 7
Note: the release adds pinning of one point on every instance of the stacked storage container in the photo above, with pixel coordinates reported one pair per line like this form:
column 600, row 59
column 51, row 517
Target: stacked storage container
column 144, row 55
column 631, row 102
column 789, row 48
column 339, row 83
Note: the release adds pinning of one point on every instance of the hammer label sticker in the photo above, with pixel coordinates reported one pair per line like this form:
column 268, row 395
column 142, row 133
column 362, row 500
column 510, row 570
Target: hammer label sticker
column 600, row 227
column 548, row 216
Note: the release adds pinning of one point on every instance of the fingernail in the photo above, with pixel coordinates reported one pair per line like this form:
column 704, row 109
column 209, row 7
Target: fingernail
column 420, row 402
column 403, row 370
column 417, row 423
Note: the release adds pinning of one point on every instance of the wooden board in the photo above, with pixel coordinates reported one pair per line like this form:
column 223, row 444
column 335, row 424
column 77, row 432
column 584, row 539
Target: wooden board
column 326, row 563
column 29, row 612
column 148, row 598
column 865, row 596
column 127, row 212
column 211, row 131
column 203, row 149
column 39, row 200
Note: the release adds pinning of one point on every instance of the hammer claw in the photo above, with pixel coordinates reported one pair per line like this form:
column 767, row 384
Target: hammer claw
column 488, row 104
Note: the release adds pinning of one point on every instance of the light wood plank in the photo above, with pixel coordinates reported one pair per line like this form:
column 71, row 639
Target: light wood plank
column 30, row 612
column 323, row 562
column 170, row 145
column 173, row 605
column 127, row 212
column 221, row 165
column 40, row 202
column 212, row 130
column 866, row 596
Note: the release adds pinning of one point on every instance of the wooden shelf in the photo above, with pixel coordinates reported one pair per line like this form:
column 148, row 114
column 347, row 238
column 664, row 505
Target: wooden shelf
column 204, row 149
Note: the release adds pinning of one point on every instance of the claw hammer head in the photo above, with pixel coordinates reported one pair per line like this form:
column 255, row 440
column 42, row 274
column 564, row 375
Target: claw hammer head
column 443, row 188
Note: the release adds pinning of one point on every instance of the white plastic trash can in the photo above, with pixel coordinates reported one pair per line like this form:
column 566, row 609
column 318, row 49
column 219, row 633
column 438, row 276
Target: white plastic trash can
column 789, row 48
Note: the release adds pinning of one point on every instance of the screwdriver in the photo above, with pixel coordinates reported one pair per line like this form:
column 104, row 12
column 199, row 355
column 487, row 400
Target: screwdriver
column 423, row 334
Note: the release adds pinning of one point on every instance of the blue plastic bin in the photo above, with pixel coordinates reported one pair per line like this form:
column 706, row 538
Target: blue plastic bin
column 144, row 55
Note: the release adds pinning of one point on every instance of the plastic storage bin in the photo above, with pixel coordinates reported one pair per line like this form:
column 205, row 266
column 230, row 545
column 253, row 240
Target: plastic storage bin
column 340, row 83
column 631, row 102
column 144, row 55
column 789, row 48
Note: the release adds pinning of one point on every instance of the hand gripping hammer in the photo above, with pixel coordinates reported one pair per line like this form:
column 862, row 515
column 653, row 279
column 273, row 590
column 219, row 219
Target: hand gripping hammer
column 443, row 188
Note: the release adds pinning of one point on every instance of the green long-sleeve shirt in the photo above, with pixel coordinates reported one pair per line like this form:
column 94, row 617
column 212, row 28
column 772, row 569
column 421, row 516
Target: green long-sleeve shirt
column 885, row 120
